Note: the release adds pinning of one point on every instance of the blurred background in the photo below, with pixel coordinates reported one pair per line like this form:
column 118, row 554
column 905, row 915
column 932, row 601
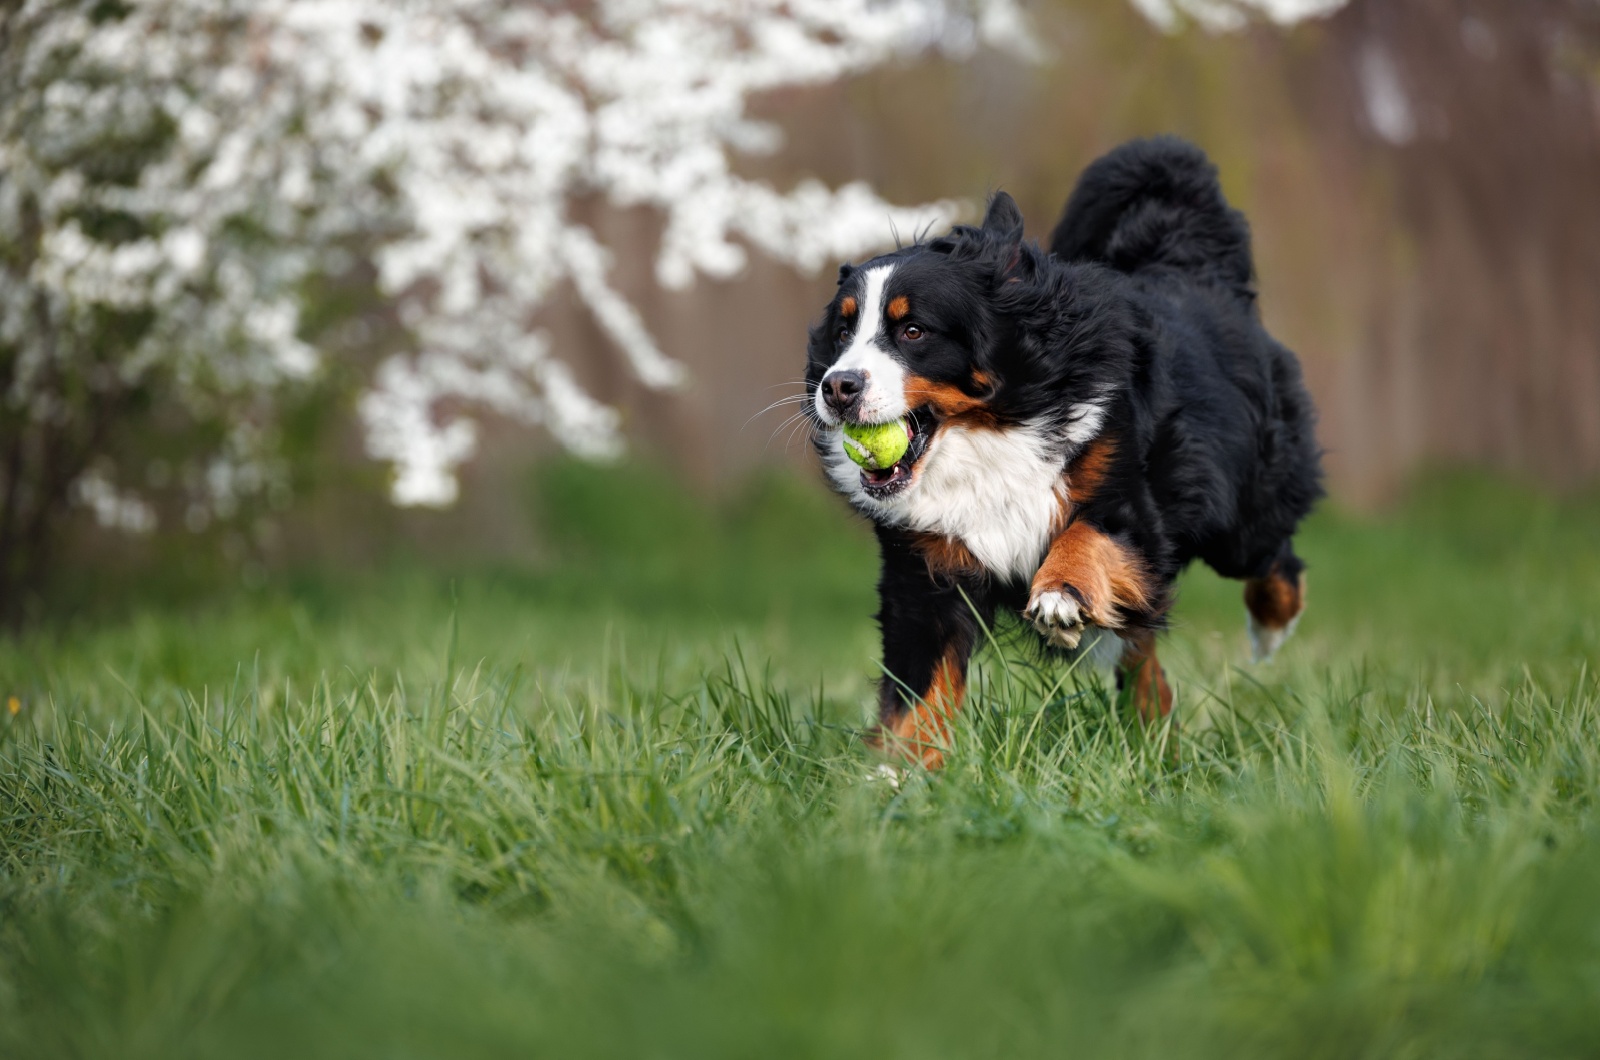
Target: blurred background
column 1422, row 178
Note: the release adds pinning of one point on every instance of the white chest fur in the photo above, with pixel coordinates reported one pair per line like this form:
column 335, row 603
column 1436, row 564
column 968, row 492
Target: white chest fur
column 999, row 492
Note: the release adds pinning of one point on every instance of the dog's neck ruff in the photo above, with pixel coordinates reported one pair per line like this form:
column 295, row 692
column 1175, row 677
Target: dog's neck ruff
column 1001, row 493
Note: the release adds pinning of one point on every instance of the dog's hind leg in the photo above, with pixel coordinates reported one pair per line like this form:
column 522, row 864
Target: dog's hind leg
column 1274, row 603
column 1140, row 673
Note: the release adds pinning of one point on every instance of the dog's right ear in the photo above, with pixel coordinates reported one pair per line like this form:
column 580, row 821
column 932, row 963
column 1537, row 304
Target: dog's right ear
column 845, row 272
column 1003, row 218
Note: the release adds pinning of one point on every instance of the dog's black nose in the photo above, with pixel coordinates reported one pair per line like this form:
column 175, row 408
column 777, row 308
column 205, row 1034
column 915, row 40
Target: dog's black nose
column 841, row 390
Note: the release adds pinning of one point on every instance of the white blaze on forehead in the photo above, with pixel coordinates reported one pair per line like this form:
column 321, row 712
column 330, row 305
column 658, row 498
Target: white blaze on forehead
column 884, row 398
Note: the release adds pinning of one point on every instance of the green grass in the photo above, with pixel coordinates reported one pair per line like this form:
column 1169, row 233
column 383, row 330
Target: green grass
column 611, row 805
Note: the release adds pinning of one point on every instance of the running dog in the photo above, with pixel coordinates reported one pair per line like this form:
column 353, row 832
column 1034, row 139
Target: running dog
column 1083, row 424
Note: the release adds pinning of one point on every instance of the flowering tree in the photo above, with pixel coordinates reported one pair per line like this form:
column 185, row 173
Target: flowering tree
column 175, row 175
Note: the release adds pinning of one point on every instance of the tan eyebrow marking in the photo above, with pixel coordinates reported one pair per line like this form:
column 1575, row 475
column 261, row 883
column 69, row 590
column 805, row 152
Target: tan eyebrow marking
column 847, row 307
column 899, row 307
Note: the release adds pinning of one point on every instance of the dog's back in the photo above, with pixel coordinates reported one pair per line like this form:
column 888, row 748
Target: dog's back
column 1235, row 453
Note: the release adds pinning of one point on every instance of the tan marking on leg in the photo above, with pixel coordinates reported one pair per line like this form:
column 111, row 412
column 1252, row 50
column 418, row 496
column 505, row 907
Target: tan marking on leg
column 1144, row 677
column 1275, row 600
column 922, row 734
column 1103, row 574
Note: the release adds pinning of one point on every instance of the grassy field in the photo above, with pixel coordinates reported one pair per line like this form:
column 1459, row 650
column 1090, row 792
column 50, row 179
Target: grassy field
column 611, row 805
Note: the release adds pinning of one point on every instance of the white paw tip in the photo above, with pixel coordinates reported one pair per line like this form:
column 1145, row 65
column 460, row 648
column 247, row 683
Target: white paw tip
column 886, row 774
column 1266, row 640
column 1057, row 616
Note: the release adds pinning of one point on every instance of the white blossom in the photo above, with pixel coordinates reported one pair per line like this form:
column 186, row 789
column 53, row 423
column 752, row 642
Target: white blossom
column 452, row 140
column 1388, row 107
column 113, row 508
column 1221, row 16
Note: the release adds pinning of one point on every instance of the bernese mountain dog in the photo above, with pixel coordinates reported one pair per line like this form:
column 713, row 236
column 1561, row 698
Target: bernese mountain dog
column 1083, row 423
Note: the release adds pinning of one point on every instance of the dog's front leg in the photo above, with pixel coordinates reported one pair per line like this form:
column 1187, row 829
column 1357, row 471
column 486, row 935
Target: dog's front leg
column 931, row 619
column 1087, row 576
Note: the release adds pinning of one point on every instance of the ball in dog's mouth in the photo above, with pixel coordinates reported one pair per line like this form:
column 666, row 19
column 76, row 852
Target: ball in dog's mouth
column 876, row 446
column 885, row 482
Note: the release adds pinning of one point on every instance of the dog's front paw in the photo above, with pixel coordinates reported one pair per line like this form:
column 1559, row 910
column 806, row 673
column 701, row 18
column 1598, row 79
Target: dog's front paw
column 1057, row 616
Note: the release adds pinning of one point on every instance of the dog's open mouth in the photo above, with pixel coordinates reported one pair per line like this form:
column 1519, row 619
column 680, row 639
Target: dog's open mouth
column 891, row 480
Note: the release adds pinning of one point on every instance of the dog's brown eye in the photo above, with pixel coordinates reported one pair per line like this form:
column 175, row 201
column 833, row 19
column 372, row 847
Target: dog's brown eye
column 844, row 333
column 912, row 332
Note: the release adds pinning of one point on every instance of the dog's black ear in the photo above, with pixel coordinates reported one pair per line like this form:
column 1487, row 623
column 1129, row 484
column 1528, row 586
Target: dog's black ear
column 845, row 272
column 1003, row 223
column 1003, row 218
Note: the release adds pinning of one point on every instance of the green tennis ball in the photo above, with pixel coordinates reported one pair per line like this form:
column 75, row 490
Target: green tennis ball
column 876, row 446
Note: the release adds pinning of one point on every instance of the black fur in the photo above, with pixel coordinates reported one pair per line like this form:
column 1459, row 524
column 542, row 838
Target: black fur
column 923, row 618
column 1224, row 461
column 1146, row 302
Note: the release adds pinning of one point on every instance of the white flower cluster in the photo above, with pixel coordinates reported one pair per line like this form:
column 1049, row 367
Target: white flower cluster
column 150, row 241
column 1222, row 16
column 191, row 164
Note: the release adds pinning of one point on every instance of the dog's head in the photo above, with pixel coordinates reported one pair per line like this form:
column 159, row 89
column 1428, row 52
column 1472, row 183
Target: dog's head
column 947, row 336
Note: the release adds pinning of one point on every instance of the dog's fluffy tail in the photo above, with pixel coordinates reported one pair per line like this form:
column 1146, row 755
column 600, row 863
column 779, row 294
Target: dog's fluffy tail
column 1157, row 203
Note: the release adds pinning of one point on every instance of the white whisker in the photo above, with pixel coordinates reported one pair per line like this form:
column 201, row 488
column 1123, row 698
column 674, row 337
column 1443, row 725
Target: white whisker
column 808, row 425
column 789, row 423
column 792, row 399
